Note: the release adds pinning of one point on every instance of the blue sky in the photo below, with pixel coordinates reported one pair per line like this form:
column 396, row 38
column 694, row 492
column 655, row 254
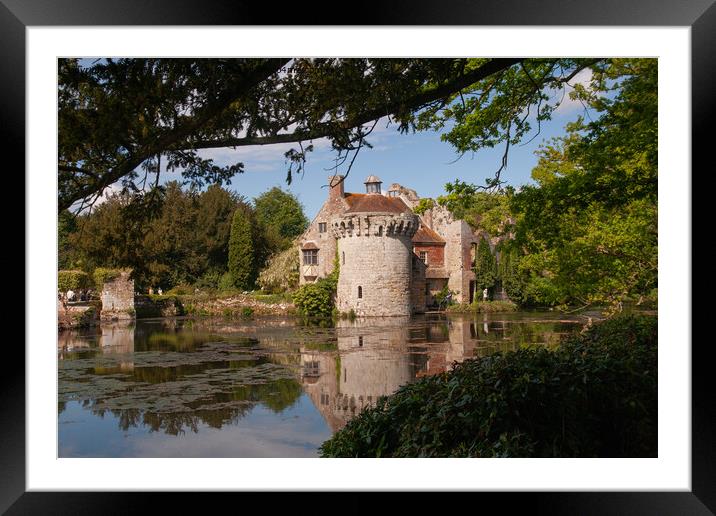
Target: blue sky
column 420, row 161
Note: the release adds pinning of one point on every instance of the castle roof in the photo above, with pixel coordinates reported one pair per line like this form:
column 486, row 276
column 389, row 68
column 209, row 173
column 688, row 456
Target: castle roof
column 359, row 203
column 425, row 235
column 372, row 179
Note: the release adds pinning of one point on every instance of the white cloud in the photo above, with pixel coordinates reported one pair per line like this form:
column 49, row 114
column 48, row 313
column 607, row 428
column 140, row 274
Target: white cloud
column 569, row 105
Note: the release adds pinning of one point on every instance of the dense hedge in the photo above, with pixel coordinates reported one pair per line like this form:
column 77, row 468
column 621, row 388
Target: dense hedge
column 72, row 280
column 102, row 275
column 595, row 396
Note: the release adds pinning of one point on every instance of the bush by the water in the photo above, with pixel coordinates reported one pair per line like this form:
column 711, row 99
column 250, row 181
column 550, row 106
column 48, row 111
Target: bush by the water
column 595, row 396
column 316, row 299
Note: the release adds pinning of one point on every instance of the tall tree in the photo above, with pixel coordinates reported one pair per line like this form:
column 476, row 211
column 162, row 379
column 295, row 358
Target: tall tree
column 589, row 227
column 281, row 218
column 243, row 265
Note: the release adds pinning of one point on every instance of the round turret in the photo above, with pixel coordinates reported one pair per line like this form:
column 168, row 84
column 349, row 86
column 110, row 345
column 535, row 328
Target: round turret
column 375, row 257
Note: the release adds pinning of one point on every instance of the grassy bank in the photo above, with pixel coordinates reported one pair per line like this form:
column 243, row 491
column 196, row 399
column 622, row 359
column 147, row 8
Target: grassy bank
column 489, row 307
column 595, row 396
column 237, row 304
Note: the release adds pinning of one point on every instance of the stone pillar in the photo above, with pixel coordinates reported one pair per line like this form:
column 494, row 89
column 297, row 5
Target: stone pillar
column 118, row 298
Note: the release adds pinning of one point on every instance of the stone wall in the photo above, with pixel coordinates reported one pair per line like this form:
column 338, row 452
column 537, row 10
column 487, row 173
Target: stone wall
column 375, row 278
column 118, row 298
column 417, row 286
column 71, row 316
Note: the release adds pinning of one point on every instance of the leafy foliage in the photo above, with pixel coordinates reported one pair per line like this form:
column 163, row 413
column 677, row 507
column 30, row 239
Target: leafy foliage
column 594, row 396
column 485, row 266
column 281, row 272
column 586, row 233
column 319, row 299
column 122, row 120
column 488, row 211
column 102, row 275
column 185, row 243
column 424, row 205
column 316, row 299
column 281, row 217
column 72, row 280
column 242, row 250
column 589, row 228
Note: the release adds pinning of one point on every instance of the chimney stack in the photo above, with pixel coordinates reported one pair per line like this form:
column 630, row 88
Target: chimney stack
column 335, row 185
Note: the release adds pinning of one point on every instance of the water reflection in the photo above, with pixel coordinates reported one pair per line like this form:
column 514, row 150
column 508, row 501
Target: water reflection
column 180, row 376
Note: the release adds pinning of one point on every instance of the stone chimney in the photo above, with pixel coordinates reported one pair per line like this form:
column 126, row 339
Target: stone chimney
column 335, row 185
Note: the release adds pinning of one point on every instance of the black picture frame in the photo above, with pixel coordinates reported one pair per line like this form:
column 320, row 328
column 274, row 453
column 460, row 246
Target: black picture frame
column 700, row 15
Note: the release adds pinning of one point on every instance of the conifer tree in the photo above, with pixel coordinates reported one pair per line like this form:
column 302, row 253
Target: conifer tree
column 242, row 259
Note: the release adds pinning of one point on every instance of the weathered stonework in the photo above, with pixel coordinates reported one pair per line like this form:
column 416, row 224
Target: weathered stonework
column 378, row 241
column 376, row 273
column 118, row 298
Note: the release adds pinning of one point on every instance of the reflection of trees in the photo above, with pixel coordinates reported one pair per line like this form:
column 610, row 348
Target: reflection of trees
column 216, row 411
column 342, row 369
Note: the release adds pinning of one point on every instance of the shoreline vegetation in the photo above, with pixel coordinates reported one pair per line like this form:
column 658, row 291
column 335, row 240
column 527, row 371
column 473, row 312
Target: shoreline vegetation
column 593, row 396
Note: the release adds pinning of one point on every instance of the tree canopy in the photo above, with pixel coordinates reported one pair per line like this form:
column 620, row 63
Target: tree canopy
column 127, row 120
column 586, row 232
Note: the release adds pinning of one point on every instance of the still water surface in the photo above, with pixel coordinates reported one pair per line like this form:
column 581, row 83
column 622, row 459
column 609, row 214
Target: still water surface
column 267, row 387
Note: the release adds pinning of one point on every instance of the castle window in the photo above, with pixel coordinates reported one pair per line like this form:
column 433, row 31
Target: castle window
column 360, row 292
column 424, row 256
column 321, row 227
column 343, row 257
column 310, row 257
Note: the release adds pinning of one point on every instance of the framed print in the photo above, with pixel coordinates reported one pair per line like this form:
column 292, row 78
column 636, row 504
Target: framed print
column 239, row 388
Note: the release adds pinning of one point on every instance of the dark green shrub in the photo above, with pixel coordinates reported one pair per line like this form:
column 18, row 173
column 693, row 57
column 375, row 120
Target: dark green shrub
column 595, row 396
column 316, row 299
column 242, row 250
column 226, row 283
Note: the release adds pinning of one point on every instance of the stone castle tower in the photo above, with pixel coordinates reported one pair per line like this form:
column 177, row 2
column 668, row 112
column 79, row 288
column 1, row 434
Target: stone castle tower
column 375, row 253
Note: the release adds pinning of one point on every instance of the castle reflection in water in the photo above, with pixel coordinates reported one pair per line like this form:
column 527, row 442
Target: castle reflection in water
column 376, row 356
column 342, row 369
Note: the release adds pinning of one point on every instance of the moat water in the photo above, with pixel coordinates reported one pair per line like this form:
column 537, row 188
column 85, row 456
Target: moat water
column 267, row 387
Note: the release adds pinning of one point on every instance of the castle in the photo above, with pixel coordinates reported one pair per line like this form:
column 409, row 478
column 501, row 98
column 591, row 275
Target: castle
column 392, row 261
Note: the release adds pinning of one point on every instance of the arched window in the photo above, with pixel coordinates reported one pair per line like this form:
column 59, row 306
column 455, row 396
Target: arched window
column 360, row 292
